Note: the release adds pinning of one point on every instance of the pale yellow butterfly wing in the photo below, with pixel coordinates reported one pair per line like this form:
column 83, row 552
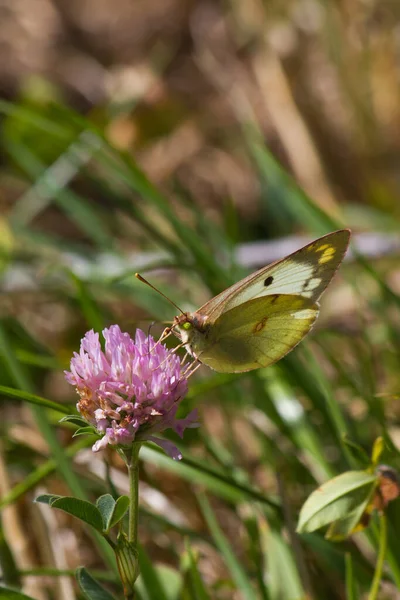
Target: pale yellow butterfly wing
column 255, row 334
column 307, row 273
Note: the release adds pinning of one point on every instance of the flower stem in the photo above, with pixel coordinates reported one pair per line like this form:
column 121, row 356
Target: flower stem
column 373, row 594
column 133, row 471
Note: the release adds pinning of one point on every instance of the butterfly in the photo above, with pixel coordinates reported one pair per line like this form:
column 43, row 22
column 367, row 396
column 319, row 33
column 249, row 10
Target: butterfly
column 261, row 318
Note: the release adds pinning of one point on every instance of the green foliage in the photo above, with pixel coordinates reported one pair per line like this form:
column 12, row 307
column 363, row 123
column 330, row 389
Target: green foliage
column 33, row 399
column 351, row 582
column 238, row 574
column 312, row 418
column 194, row 587
column 9, row 594
column 282, row 569
column 343, row 501
column 150, row 580
column 75, row 420
column 341, row 497
column 91, row 588
column 85, row 511
column 127, row 557
column 103, row 516
column 112, row 511
column 88, row 429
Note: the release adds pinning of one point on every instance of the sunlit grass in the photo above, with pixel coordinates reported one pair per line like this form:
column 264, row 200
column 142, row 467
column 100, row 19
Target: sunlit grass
column 224, row 518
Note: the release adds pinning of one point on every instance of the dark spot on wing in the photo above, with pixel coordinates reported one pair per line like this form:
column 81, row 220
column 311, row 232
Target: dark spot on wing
column 274, row 298
column 260, row 326
column 268, row 281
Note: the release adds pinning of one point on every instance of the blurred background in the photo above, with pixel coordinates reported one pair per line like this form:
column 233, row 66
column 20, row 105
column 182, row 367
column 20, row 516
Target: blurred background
column 196, row 140
column 173, row 81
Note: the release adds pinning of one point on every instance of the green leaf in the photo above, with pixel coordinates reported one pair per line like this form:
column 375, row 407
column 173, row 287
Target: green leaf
column 106, row 505
column 335, row 499
column 47, row 498
column 112, row 511
column 283, row 577
column 377, row 449
column 9, row 594
column 87, row 430
column 341, row 529
column 75, row 419
column 90, row 587
column 120, row 509
column 82, row 509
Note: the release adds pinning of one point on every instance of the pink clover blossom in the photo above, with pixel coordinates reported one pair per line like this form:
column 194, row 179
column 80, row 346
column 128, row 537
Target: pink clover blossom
column 131, row 390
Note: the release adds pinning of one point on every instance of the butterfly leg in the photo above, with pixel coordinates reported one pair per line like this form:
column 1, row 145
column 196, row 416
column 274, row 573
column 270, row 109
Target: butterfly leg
column 185, row 358
column 192, row 368
column 165, row 334
column 169, row 354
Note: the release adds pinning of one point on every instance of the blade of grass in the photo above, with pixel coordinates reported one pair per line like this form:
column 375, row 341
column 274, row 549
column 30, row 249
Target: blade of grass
column 255, row 551
column 149, row 577
column 132, row 208
column 40, row 473
column 137, row 180
column 338, row 421
column 296, row 425
column 9, row 569
column 89, row 307
column 35, row 120
column 232, row 562
column 60, row 173
column 303, row 208
column 194, row 582
column 351, row 584
column 283, row 577
column 216, row 481
column 37, row 400
column 76, row 207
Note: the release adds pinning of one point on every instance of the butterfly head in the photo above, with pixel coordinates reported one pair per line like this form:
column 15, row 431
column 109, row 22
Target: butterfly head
column 187, row 325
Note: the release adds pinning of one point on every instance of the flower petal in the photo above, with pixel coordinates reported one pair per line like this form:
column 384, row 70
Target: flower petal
column 167, row 446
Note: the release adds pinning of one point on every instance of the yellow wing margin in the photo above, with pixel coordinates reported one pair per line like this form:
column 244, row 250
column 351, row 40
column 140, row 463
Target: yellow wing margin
column 307, row 272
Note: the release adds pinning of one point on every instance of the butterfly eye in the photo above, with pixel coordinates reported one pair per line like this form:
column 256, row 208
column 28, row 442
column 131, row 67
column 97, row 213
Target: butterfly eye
column 187, row 326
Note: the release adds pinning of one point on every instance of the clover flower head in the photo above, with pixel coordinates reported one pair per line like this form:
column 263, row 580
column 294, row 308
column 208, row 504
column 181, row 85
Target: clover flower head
column 131, row 390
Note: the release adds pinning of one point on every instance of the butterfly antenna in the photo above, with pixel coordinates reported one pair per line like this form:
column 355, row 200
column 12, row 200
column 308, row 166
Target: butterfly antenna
column 143, row 280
